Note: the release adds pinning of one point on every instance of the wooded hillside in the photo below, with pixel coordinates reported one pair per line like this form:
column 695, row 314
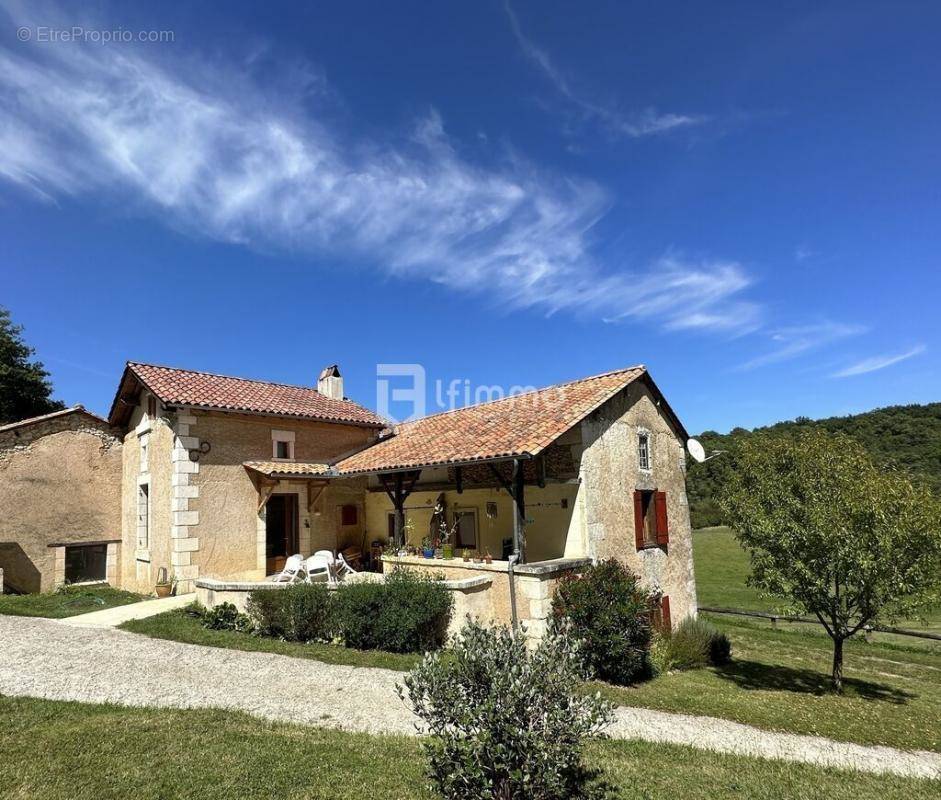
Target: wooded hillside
column 908, row 436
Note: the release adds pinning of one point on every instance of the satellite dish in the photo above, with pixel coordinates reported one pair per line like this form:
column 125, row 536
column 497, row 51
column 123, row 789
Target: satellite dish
column 696, row 450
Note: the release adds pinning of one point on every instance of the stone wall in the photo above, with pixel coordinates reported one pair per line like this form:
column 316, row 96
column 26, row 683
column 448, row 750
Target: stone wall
column 610, row 474
column 222, row 505
column 60, row 483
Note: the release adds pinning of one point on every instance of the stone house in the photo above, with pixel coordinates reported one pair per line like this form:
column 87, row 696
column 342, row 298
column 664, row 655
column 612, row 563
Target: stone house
column 215, row 480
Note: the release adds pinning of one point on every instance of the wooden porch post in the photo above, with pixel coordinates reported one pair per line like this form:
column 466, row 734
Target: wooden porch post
column 519, row 511
column 398, row 502
column 398, row 492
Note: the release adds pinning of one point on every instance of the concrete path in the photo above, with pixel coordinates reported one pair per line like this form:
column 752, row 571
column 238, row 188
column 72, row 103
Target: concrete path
column 112, row 617
column 43, row 658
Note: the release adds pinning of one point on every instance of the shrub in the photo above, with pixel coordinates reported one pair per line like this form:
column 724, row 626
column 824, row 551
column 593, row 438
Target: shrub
column 609, row 612
column 507, row 722
column 194, row 609
column 225, row 617
column 694, row 643
column 406, row 613
column 301, row 612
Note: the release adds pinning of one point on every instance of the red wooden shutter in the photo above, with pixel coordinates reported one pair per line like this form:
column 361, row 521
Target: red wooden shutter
column 638, row 519
column 665, row 613
column 663, row 528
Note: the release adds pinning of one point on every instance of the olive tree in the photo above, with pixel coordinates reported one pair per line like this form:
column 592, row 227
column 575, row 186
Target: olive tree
column 832, row 534
column 506, row 721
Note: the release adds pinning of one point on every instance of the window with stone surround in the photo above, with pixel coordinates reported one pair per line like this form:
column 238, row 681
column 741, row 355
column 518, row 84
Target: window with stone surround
column 145, row 453
column 282, row 445
column 643, row 451
column 143, row 516
column 86, row 563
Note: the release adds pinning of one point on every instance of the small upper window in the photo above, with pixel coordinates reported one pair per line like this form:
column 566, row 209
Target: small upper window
column 348, row 515
column 145, row 453
column 643, row 450
column 151, row 406
column 282, row 445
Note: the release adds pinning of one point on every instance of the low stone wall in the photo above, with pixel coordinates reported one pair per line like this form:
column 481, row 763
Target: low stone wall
column 535, row 586
column 470, row 594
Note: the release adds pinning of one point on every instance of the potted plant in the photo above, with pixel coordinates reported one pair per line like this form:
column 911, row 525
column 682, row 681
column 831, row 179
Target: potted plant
column 447, row 550
column 164, row 586
column 488, row 559
column 428, row 549
column 465, row 554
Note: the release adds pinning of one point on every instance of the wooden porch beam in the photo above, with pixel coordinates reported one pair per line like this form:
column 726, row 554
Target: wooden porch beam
column 265, row 490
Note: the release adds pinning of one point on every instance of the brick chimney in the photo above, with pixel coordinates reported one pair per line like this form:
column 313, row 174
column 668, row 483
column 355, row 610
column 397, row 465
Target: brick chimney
column 330, row 383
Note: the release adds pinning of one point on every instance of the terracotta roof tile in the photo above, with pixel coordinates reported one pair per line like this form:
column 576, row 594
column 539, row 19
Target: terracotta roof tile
column 184, row 387
column 514, row 426
column 299, row 468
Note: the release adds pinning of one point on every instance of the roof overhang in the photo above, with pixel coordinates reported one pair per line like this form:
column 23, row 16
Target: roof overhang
column 290, row 470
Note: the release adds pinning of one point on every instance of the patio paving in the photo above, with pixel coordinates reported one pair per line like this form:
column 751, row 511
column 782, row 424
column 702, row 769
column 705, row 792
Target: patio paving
column 112, row 617
column 45, row 658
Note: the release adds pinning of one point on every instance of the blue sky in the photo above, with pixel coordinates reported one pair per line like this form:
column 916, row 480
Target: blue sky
column 744, row 198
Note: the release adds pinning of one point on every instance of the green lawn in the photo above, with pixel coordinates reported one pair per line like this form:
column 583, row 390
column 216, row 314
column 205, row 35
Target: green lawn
column 66, row 602
column 722, row 567
column 779, row 680
column 182, row 627
column 69, row 751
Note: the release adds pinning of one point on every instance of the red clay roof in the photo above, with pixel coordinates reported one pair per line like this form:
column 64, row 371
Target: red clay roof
column 515, row 426
column 302, row 469
column 183, row 387
column 76, row 409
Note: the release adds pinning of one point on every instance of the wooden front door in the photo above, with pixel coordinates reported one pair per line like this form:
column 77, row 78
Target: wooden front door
column 280, row 531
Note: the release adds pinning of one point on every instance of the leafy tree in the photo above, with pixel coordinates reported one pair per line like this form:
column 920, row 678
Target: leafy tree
column 832, row 534
column 24, row 385
column 907, row 436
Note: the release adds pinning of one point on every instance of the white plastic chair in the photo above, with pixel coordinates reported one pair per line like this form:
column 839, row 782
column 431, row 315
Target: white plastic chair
column 316, row 565
column 292, row 569
column 326, row 557
column 342, row 568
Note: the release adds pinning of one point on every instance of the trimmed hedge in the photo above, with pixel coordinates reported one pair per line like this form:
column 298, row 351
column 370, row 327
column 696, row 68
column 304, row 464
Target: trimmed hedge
column 406, row 613
column 609, row 612
column 302, row 612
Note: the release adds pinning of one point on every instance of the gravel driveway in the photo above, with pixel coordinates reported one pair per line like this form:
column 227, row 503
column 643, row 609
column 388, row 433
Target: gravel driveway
column 44, row 658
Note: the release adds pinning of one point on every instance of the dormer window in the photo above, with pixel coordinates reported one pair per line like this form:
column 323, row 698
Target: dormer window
column 643, row 451
column 282, row 445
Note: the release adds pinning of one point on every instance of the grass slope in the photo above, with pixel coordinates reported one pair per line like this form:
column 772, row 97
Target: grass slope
column 721, row 570
column 66, row 602
column 68, row 751
column 779, row 680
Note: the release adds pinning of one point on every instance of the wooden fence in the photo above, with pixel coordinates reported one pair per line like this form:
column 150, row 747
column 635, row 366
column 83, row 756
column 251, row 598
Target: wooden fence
column 775, row 618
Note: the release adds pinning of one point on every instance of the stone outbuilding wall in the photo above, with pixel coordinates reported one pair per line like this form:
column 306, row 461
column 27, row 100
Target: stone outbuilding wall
column 60, row 485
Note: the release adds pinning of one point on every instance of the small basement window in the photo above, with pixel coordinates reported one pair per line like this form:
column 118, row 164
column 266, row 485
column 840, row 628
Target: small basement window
column 86, row 563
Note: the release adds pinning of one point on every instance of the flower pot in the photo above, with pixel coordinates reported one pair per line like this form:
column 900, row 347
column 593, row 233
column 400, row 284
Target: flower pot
column 447, row 551
column 428, row 552
column 163, row 589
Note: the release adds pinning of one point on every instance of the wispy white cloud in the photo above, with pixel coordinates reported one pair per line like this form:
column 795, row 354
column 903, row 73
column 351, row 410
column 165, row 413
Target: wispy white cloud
column 646, row 122
column 875, row 363
column 794, row 341
column 208, row 148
